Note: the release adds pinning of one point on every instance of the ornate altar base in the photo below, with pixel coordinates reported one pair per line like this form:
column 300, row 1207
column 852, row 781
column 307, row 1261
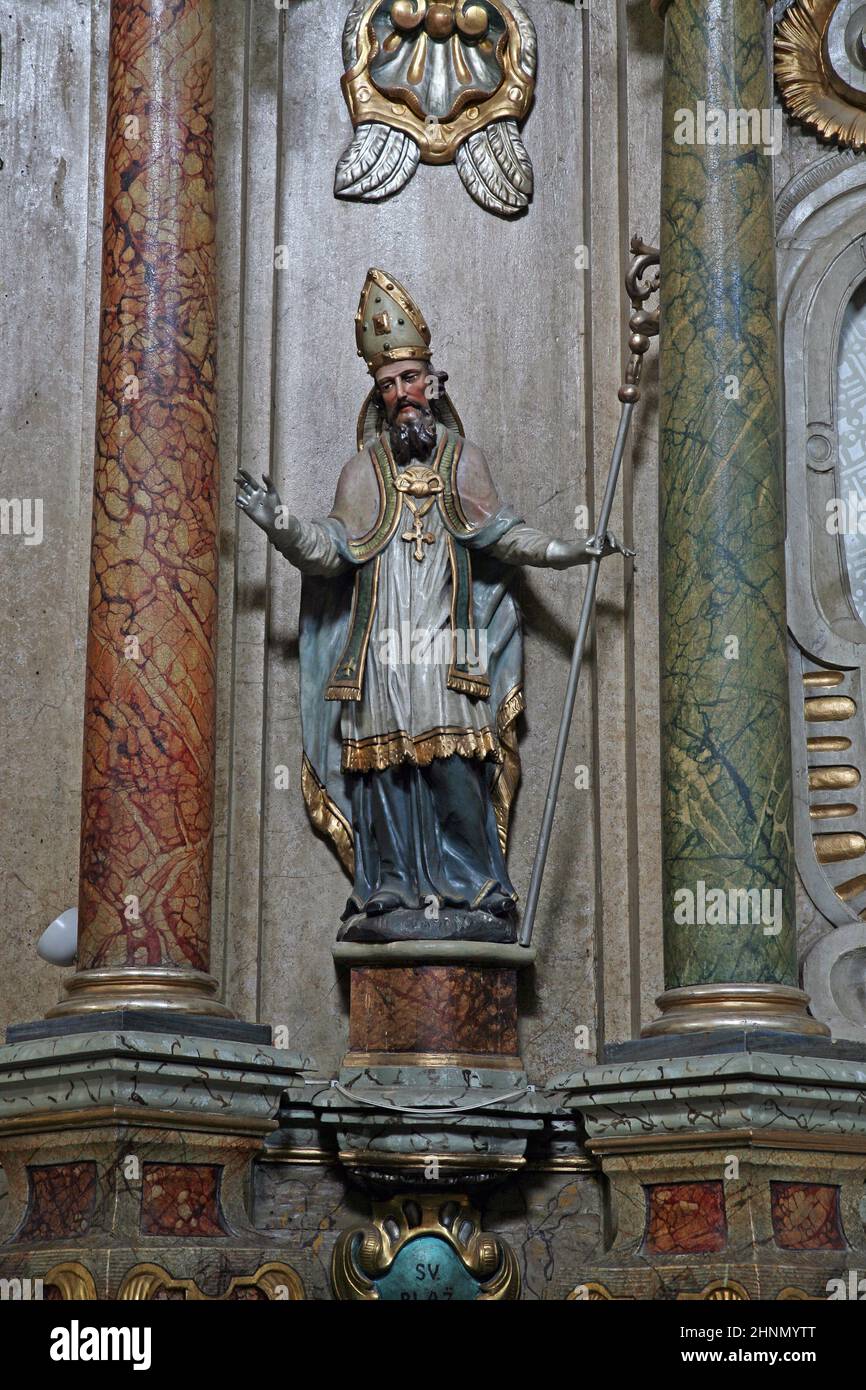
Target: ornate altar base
column 733, row 1174
column 128, row 1156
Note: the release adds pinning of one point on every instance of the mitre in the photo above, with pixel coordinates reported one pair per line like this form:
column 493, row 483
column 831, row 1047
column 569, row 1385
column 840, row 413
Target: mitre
column 389, row 327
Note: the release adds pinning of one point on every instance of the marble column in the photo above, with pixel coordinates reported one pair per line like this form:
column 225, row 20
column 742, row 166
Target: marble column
column 726, row 761
column 147, row 798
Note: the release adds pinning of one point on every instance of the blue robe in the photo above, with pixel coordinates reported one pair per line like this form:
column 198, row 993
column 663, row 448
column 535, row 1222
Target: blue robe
column 417, row 820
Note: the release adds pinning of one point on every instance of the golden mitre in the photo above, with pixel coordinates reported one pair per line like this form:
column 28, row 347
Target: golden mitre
column 389, row 326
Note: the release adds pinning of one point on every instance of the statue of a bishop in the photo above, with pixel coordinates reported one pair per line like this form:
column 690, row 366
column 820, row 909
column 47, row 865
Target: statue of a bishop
column 411, row 648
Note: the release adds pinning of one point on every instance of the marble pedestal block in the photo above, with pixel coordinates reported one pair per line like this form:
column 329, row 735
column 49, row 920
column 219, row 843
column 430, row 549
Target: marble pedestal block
column 128, row 1160
column 431, row 1109
column 733, row 1175
column 432, row 1085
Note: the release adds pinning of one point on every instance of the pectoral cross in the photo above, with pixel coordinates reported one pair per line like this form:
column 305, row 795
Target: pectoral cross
column 418, row 534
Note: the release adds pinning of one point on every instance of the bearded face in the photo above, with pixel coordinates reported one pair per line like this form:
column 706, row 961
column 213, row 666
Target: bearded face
column 403, row 390
column 413, row 437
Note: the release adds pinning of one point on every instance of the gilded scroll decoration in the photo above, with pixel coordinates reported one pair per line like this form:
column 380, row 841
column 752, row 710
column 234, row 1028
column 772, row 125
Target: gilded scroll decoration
column 820, row 58
column 424, row 1247
column 438, row 83
column 274, row 1282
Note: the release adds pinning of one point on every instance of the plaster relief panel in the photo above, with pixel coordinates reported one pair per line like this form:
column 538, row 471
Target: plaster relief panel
column 822, row 282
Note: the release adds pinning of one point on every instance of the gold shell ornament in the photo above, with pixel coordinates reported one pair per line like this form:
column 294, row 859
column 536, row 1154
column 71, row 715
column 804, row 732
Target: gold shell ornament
column 439, row 83
column 820, row 59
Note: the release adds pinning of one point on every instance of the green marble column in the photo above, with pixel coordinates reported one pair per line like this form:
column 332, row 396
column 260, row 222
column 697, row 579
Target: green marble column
column 726, row 760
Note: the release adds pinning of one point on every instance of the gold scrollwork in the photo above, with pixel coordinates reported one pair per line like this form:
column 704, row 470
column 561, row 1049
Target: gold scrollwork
column 276, row 1281
column 728, row 1290
column 833, row 779
column 73, row 1281
column 364, row 1254
column 591, row 1291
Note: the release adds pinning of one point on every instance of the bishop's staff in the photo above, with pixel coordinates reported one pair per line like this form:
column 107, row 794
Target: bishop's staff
column 644, row 325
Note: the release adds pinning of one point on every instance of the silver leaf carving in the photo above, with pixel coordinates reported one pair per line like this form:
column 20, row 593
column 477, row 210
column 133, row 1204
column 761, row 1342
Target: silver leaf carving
column 528, row 37
column 352, row 32
column 380, row 161
column 496, row 169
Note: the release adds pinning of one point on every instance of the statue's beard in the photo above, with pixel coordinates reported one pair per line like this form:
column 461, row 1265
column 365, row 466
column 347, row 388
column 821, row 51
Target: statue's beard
column 414, row 439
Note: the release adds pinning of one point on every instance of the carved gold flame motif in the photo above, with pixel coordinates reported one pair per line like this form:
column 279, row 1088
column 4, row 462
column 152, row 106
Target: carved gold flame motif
column 820, row 59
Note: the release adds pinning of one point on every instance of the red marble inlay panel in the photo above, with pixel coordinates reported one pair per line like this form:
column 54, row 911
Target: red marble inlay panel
column 434, row 1008
column 685, row 1218
column 806, row 1216
column 61, row 1203
column 147, row 814
column 181, row 1199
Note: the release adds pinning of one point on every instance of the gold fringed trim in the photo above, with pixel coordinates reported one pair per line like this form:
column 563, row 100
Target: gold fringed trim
column 513, row 705
column 389, row 750
column 327, row 817
column 465, row 685
column 509, row 773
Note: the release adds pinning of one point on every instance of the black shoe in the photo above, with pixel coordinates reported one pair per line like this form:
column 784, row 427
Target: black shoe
column 382, row 902
column 496, row 903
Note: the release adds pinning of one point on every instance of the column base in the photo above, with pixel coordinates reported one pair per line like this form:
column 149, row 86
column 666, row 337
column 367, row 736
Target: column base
column 129, row 1158
column 735, row 1176
column 701, row 1008
column 167, row 988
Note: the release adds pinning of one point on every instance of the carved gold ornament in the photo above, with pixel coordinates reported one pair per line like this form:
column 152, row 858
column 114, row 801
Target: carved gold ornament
column 719, row 1290
column 441, row 83
column 364, row 1255
column 72, row 1280
column 278, row 1282
column 821, row 68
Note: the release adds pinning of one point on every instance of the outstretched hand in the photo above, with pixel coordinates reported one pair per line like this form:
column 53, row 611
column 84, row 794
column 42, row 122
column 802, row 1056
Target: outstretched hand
column 598, row 548
column 563, row 554
column 260, row 503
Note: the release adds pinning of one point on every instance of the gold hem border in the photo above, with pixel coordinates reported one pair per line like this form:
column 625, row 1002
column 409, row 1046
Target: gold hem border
column 380, row 751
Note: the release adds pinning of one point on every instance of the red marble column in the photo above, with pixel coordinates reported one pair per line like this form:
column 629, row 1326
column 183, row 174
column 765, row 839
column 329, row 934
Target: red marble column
column 147, row 797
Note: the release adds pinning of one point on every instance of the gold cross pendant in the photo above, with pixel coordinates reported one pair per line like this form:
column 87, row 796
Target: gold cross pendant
column 418, row 534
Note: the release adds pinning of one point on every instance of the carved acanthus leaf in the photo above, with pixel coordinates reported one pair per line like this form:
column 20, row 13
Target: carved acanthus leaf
column 379, row 161
column 496, row 169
